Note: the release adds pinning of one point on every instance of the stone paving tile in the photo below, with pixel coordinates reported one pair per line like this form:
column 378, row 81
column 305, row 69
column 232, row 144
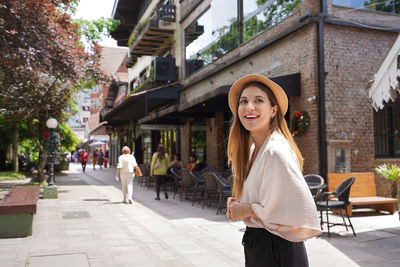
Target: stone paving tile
column 173, row 233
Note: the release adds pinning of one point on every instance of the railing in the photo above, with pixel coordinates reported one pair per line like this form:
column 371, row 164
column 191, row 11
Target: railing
column 165, row 13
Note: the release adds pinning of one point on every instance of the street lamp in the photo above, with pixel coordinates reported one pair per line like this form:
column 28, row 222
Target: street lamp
column 52, row 146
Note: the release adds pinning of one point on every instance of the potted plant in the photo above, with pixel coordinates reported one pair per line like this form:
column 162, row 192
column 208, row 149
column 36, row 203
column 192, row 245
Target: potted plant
column 391, row 173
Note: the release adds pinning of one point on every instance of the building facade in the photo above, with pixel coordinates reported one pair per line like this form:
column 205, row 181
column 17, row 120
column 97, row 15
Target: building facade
column 322, row 53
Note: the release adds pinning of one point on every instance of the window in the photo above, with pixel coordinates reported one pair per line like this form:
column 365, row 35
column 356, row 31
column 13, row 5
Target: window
column 212, row 35
column 215, row 33
column 198, row 143
column 387, row 131
column 260, row 15
column 390, row 6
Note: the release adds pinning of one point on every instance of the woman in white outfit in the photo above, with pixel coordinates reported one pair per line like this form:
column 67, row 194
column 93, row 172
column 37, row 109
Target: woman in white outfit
column 270, row 194
column 125, row 169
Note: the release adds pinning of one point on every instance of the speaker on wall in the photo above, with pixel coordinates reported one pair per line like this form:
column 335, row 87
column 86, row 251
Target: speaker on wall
column 164, row 69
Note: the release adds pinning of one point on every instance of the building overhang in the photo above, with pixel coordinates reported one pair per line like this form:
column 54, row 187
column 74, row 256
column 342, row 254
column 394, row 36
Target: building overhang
column 206, row 105
column 157, row 34
column 140, row 104
column 386, row 83
column 126, row 12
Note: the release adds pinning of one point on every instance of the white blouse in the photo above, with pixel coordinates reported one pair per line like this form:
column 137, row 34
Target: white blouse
column 127, row 163
column 278, row 193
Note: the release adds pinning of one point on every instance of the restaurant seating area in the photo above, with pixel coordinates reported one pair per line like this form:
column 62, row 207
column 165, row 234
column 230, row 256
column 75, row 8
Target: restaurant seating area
column 206, row 187
column 211, row 188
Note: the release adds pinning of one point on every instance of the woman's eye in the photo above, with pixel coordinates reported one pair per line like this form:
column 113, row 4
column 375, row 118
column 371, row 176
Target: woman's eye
column 259, row 101
column 243, row 101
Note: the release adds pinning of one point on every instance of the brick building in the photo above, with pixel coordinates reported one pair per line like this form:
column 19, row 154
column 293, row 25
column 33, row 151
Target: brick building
column 323, row 53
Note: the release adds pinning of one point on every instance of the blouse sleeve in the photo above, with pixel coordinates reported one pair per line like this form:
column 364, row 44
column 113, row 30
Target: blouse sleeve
column 153, row 161
column 119, row 164
column 286, row 206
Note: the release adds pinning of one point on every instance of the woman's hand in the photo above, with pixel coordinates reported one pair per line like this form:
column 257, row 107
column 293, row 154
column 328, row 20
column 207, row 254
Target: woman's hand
column 240, row 211
column 151, row 173
column 228, row 206
column 116, row 178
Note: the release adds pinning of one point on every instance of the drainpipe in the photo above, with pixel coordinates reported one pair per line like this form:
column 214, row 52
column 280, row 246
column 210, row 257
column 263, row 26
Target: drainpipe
column 322, row 144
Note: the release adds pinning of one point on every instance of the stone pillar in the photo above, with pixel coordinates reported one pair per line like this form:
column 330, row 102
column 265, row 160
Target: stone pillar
column 185, row 142
column 215, row 141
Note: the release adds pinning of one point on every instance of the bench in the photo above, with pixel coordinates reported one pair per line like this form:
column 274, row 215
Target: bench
column 363, row 192
column 17, row 209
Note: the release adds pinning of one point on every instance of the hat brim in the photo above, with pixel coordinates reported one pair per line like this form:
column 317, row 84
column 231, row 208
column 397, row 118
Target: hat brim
column 237, row 87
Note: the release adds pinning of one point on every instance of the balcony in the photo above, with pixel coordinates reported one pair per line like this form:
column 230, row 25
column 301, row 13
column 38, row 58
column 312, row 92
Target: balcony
column 154, row 36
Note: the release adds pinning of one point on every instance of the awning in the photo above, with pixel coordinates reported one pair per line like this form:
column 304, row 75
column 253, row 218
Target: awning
column 100, row 129
column 386, row 83
column 217, row 100
column 140, row 104
column 206, row 105
column 166, row 116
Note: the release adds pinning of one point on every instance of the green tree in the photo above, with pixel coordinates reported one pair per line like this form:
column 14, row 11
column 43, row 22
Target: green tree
column 43, row 62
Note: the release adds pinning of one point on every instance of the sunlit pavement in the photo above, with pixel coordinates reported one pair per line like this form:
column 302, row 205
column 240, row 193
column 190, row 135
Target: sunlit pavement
column 89, row 226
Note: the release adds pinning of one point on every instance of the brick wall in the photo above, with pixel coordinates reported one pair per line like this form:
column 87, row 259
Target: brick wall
column 296, row 53
column 352, row 57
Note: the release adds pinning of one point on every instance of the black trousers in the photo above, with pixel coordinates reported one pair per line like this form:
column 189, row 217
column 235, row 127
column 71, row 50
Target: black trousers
column 262, row 248
column 83, row 165
column 160, row 180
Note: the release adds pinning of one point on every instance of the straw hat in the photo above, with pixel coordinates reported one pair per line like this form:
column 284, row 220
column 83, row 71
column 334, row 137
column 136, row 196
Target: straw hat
column 239, row 84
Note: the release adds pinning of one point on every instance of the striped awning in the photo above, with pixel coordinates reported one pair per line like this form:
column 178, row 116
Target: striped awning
column 386, row 83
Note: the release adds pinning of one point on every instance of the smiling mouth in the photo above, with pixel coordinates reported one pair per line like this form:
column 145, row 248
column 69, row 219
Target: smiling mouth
column 250, row 117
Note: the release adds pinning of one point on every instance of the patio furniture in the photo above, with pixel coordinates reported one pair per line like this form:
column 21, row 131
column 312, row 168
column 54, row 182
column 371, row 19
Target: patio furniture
column 187, row 184
column 336, row 200
column 230, row 181
column 315, row 183
column 224, row 191
column 176, row 175
column 211, row 187
column 145, row 174
column 363, row 192
column 198, row 187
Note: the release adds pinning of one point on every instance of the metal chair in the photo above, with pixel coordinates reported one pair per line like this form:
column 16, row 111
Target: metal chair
column 316, row 184
column 176, row 175
column 230, row 181
column 342, row 194
column 224, row 191
column 187, row 183
column 145, row 171
column 211, row 187
column 198, row 187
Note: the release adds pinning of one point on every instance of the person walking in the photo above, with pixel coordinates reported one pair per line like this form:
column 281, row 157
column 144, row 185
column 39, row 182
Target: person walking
column 94, row 158
column 100, row 159
column 158, row 168
column 125, row 170
column 270, row 194
column 83, row 159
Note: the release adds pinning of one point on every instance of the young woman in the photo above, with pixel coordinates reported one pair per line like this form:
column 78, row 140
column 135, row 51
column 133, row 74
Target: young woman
column 125, row 169
column 192, row 163
column 270, row 194
column 158, row 168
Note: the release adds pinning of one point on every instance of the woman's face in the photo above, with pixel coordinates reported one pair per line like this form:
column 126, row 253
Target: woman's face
column 255, row 110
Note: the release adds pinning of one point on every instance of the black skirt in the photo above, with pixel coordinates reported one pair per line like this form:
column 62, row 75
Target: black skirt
column 262, row 248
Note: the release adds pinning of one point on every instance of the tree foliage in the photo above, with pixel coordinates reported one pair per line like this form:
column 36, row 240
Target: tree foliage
column 43, row 62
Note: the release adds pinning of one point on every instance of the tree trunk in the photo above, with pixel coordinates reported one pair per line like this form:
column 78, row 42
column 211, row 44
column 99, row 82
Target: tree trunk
column 41, row 165
column 15, row 147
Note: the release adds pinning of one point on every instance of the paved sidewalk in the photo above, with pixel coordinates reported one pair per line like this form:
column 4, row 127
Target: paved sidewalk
column 89, row 226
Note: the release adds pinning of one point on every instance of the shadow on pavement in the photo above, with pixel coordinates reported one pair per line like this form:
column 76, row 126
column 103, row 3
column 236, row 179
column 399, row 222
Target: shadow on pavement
column 378, row 247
